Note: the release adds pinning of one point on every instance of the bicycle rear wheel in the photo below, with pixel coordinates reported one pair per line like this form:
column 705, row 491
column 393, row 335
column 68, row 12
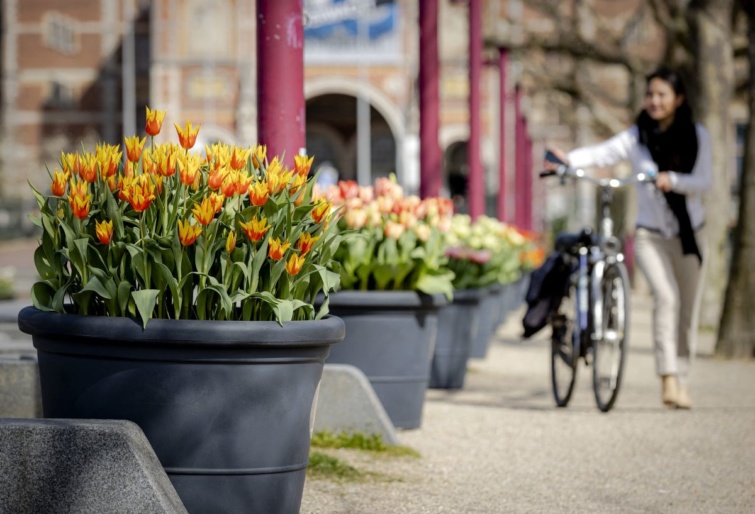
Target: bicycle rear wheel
column 609, row 353
column 563, row 354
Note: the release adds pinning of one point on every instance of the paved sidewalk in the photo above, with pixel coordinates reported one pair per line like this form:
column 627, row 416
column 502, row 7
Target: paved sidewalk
column 500, row 445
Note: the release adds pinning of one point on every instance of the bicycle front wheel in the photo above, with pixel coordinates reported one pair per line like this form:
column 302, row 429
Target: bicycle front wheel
column 564, row 356
column 609, row 352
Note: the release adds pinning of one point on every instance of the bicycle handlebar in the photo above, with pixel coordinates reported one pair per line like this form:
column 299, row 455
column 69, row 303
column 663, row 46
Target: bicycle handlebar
column 614, row 183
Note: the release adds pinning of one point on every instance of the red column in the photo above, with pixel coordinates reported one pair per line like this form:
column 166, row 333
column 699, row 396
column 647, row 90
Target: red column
column 502, row 64
column 280, row 77
column 475, row 185
column 429, row 100
column 519, row 159
column 527, row 177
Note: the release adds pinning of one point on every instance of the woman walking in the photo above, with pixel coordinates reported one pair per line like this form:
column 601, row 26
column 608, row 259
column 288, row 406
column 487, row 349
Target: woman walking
column 670, row 245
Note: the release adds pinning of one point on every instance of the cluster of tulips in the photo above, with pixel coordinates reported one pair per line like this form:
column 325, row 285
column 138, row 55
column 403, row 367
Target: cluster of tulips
column 396, row 241
column 169, row 232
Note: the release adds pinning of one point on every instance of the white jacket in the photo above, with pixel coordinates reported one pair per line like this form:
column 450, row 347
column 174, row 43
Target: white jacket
column 653, row 211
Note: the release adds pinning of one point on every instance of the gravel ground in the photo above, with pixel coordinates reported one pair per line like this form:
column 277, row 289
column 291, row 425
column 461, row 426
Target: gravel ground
column 500, row 445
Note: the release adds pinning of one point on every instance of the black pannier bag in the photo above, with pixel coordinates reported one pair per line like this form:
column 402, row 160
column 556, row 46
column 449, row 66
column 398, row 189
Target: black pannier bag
column 548, row 284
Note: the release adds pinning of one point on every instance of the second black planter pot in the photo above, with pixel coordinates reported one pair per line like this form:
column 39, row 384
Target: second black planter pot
column 457, row 328
column 390, row 336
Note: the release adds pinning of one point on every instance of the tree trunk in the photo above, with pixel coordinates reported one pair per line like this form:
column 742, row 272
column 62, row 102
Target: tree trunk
column 736, row 335
column 712, row 69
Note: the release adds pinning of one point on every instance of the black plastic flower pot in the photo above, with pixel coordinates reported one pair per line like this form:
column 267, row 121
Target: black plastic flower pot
column 390, row 336
column 489, row 313
column 457, row 328
column 226, row 405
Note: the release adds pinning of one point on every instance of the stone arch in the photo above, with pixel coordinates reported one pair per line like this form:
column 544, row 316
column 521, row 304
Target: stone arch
column 346, row 86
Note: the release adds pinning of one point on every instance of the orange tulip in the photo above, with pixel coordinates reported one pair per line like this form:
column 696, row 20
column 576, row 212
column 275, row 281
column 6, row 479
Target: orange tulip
column 79, row 198
column 302, row 164
column 188, row 135
column 306, row 242
column 277, row 250
column 239, row 157
column 154, row 122
column 88, row 167
column 149, row 164
column 228, row 187
column 321, row 210
column 258, row 156
column 188, row 233
column 204, row 212
column 104, row 231
column 216, row 177
column 294, row 264
column 188, row 168
column 217, row 201
column 139, row 191
column 69, row 162
column 242, row 182
column 295, row 186
column 255, row 229
column 134, row 147
column 59, row 180
column 258, row 193
column 230, row 241
column 108, row 157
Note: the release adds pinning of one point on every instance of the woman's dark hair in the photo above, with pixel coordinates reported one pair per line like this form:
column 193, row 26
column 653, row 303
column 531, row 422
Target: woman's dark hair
column 674, row 79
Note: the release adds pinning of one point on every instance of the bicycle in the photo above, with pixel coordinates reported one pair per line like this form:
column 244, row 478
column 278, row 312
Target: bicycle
column 592, row 319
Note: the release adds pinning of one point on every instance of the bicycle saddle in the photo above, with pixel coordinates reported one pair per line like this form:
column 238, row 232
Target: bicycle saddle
column 567, row 241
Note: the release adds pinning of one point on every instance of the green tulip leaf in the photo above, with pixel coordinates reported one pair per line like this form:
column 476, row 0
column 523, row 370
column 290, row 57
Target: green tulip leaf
column 145, row 300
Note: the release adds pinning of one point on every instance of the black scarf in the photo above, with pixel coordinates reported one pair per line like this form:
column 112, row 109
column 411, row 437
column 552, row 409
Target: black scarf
column 674, row 149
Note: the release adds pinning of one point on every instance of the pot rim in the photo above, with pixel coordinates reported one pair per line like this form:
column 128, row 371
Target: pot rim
column 198, row 333
column 387, row 299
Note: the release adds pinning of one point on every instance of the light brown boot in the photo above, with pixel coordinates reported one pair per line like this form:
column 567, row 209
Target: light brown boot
column 670, row 392
column 682, row 399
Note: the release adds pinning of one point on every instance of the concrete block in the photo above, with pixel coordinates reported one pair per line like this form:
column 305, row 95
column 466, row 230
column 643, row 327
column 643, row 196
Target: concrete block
column 20, row 395
column 81, row 466
column 348, row 403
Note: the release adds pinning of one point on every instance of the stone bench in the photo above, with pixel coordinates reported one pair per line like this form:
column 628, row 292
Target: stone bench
column 81, row 466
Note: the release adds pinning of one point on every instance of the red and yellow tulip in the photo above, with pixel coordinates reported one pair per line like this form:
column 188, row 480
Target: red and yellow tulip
column 204, row 212
column 258, row 155
column 302, row 164
column 230, row 241
column 277, row 250
column 258, row 192
column 139, row 191
column 255, row 229
column 188, row 233
column 295, row 263
column 187, row 136
column 154, row 122
column 79, row 198
column 134, row 147
column 306, row 242
column 59, row 182
column 104, row 231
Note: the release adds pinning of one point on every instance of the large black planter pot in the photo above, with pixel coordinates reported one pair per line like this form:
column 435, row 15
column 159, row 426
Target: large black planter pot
column 489, row 312
column 390, row 336
column 457, row 328
column 226, row 405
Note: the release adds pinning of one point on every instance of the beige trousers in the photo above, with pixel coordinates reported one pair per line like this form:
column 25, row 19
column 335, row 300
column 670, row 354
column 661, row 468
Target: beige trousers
column 676, row 281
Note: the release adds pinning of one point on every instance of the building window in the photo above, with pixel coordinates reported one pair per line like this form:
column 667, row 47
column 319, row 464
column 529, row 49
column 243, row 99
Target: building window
column 61, row 95
column 60, row 33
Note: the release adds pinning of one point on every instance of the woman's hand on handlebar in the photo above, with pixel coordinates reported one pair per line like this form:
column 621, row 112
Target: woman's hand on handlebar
column 663, row 181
